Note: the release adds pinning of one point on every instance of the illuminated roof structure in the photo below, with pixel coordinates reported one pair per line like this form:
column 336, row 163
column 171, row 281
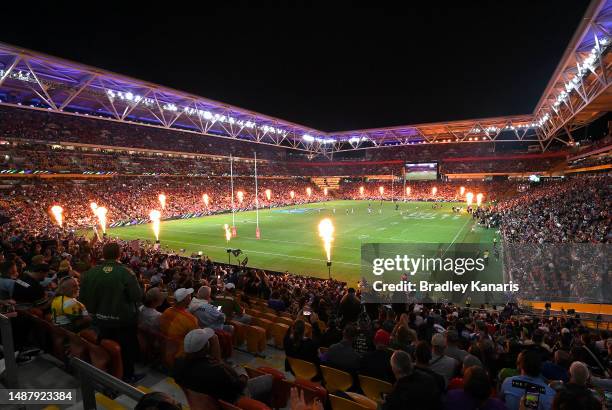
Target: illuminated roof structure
column 578, row 93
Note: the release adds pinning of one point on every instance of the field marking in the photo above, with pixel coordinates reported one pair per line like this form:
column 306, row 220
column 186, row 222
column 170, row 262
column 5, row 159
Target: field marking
column 263, row 253
column 456, row 236
column 261, row 239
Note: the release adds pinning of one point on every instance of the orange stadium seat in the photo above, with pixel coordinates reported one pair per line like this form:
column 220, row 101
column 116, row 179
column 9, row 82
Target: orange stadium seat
column 286, row 320
column 340, row 403
column 246, row 403
column 266, row 324
column 374, row 388
column 240, row 330
column 336, row 380
column 256, row 339
column 279, row 330
column 302, row 369
column 201, row 401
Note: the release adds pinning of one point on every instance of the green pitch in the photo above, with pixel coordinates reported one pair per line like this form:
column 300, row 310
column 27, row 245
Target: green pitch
column 290, row 240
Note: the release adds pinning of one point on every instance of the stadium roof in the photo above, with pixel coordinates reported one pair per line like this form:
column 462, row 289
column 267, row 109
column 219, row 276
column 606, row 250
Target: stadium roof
column 578, row 93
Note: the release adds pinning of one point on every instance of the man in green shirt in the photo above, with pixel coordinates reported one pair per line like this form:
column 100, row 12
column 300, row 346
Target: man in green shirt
column 111, row 294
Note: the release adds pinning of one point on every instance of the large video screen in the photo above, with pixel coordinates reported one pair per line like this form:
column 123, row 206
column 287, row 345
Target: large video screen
column 421, row 171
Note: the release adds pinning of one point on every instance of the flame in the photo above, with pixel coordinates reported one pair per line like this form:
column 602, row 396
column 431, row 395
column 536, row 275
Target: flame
column 325, row 191
column 228, row 233
column 268, row 194
column 93, row 207
column 469, row 198
column 381, row 189
column 361, row 189
column 326, row 232
column 479, row 199
column 162, row 200
column 462, row 190
column 434, row 190
column 309, row 191
column 408, row 190
column 57, row 212
column 292, row 194
column 240, row 196
column 206, row 199
column 101, row 214
column 155, row 217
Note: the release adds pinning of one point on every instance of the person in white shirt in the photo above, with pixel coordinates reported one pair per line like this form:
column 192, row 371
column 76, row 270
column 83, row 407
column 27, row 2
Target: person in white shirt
column 149, row 316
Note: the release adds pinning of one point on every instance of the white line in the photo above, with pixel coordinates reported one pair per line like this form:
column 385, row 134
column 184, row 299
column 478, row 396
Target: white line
column 456, row 236
column 263, row 253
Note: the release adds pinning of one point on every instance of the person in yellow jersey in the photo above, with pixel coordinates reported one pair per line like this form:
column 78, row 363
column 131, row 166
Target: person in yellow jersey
column 66, row 310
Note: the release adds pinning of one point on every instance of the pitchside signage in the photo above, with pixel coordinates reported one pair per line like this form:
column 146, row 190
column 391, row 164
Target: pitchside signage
column 481, row 273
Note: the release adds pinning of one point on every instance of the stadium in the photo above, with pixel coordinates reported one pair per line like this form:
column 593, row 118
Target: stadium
column 165, row 250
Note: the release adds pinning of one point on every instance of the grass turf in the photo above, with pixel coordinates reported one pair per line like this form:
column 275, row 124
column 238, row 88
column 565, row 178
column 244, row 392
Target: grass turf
column 290, row 240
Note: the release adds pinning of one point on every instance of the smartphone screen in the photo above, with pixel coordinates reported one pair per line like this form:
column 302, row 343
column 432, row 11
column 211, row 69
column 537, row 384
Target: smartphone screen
column 532, row 400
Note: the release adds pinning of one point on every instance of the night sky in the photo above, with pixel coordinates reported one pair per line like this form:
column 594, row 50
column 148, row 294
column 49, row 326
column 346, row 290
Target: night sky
column 331, row 68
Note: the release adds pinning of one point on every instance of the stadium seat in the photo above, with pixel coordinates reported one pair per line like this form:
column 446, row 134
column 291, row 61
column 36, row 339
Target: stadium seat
column 223, row 405
column 264, row 323
column 226, row 341
column 286, row 320
column 201, row 401
column 340, row 403
column 59, row 337
column 77, row 347
column 256, row 339
column 276, row 374
column 363, row 400
column 336, row 380
column 302, row 369
column 240, row 330
column 279, row 330
column 307, row 329
column 311, row 390
column 272, row 317
column 246, row 403
column 374, row 388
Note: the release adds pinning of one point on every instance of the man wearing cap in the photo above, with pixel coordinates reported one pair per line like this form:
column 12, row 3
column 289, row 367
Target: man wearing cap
column 377, row 363
column 230, row 307
column 111, row 294
column 201, row 372
column 177, row 321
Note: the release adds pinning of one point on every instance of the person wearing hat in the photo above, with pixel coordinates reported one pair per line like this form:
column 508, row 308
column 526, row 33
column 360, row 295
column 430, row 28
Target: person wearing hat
column 177, row 320
column 377, row 363
column 200, row 371
column 111, row 294
column 230, row 307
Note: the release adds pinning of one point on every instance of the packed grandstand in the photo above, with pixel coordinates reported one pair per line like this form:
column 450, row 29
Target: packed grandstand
column 150, row 322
